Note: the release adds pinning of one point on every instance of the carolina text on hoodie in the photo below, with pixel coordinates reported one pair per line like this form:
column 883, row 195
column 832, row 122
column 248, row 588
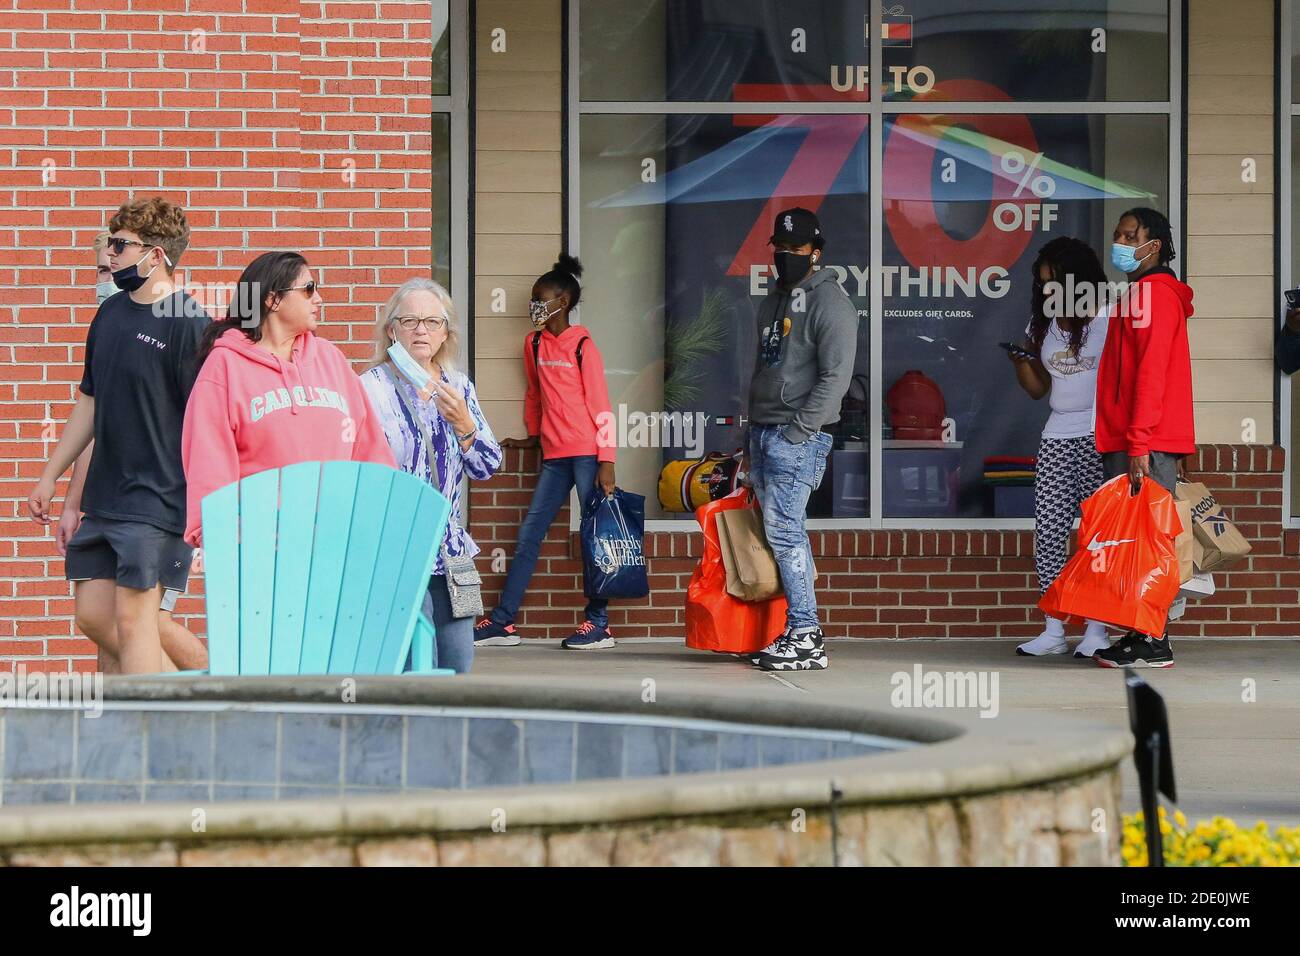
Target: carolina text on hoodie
column 1144, row 382
column 250, row 411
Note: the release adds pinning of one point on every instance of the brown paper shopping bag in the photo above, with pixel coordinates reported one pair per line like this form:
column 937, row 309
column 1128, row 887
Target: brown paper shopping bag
column 1218, row 544
column 1184, row 544
column 752, row 574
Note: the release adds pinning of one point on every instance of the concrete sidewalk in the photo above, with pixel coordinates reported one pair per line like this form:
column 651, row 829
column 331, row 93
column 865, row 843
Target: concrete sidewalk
column 1231, row 757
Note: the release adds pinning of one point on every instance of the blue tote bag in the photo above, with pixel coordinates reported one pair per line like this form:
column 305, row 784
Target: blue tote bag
column 613, row 535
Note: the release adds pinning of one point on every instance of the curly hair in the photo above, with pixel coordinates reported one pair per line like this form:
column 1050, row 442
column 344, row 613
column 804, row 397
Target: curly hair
column 158, row 223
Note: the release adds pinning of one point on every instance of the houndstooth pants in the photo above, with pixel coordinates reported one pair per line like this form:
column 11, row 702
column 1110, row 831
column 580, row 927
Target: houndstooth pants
column 1069, row 471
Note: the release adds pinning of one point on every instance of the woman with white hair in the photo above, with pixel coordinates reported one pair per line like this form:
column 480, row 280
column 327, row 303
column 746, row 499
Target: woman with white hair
column 438, row 434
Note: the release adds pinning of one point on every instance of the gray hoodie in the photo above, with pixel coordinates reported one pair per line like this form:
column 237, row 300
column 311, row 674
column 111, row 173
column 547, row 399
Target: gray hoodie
column 807, row 341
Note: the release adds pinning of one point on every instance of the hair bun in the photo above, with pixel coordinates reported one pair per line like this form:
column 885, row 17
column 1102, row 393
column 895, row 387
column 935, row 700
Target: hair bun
column 567, row 263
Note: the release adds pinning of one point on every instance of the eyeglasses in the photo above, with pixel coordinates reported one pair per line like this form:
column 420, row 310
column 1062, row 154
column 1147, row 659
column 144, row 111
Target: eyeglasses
column 310, row 288
column 119, row 245
column 435, row 323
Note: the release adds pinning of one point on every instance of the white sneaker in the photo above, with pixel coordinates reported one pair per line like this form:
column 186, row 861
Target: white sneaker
column 1093, row 641
column 1043, row 645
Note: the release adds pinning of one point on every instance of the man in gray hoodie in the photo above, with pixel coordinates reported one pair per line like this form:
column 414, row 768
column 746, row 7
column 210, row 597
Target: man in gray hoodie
column 807, row 340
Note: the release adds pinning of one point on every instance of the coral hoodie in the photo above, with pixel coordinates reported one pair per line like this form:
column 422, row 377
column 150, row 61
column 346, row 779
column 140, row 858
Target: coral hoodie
column 250, row 411
column 565, row 403
column 1144, row 383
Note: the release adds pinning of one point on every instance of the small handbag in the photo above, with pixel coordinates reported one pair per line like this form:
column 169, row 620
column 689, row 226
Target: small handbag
column 464, row 585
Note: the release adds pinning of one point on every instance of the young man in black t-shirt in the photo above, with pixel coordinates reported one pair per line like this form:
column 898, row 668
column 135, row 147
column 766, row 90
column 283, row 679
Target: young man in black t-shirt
column 139, row 369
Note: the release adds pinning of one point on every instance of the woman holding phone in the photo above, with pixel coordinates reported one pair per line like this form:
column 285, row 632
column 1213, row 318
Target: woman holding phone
column 1059, row 361
column 437, row 432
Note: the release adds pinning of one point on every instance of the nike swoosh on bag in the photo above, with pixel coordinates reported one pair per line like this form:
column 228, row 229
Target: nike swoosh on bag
column 1095, row 545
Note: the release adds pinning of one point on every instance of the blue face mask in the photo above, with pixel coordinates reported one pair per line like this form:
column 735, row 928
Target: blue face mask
column 104, row 289
column 1125, row 258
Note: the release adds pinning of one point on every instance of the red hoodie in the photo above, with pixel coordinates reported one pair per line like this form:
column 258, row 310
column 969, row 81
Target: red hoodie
column 250, row 412
column 564, row 405
column 1144, row 383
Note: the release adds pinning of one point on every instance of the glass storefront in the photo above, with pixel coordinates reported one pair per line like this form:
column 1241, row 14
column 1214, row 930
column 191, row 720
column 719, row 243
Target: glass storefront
column 698, row 121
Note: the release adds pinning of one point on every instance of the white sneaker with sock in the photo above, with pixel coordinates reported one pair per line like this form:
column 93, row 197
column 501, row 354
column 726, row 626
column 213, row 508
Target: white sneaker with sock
column 1051, row 641
column 1095, row 638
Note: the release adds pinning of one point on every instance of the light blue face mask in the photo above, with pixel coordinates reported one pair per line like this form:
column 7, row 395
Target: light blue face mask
column 1124, row 258
column 103, row 290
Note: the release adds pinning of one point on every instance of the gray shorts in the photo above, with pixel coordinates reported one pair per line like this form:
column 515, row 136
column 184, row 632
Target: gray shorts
column 1164, row 467
column 132, row 553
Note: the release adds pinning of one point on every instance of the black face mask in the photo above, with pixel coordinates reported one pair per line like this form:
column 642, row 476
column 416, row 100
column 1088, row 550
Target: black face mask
column 129, row 279
column 790, row 266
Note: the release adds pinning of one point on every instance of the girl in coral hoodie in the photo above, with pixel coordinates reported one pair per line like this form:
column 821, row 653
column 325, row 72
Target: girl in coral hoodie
column 565, row 404
column 270, row 392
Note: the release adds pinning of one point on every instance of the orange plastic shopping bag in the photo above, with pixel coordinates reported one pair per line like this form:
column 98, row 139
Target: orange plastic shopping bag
column 716, row 621
column 1125, row 571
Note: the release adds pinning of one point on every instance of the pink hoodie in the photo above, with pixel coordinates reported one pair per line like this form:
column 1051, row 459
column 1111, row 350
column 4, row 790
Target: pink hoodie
column 250, row 412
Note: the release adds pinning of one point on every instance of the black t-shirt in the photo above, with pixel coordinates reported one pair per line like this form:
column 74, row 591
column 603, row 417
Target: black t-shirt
column 140, row 369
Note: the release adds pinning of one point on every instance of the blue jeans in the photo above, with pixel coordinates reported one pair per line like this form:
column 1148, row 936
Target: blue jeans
column 784, row 475
column 559, row 476
column 453, row 636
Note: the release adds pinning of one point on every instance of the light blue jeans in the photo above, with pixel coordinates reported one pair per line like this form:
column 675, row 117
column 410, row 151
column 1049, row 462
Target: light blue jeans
column 784, row 475
column 453, row 636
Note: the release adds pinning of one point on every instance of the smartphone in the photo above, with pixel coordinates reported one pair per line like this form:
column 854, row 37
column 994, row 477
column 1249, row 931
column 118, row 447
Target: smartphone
column 1292, row 298
column 1017, row 351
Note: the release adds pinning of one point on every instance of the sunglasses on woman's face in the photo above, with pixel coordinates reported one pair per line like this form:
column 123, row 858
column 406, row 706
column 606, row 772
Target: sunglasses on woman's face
column 119, row 245
column 310, row 288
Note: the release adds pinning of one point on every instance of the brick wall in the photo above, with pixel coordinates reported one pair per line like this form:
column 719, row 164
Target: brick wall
column 248, row 113
column 908, row 583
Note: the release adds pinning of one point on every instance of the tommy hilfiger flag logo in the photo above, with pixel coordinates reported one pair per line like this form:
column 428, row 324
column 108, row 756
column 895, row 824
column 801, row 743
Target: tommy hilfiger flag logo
column 896, row 28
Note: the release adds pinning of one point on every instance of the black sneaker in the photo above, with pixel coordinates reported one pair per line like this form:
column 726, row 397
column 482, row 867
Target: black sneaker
column 798, row 651
column 488, row 633
column 1137, row 650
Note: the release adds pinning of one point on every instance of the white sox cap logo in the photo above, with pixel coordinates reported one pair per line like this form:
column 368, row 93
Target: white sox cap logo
column 789, row 224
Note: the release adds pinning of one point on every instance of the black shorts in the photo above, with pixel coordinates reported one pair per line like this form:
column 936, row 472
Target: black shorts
column 132, row 553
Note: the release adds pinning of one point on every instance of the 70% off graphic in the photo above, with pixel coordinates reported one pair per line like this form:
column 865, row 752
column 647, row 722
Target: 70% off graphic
column 1012, row 216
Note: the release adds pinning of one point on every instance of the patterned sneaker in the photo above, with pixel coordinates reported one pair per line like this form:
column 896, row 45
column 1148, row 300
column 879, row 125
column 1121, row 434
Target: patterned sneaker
column 796, row 651
column 1137, row 650
column 588, row 637
column 753, row 656
column 488, row 633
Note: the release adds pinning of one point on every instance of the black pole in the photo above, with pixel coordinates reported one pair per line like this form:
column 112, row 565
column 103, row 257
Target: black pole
column 1150, row 808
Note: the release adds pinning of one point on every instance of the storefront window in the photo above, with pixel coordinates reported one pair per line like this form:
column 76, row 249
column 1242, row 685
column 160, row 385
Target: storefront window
column 676, row 217
column 686, row 150
column 718, row 51
column 1091, row 51
column 968, row 202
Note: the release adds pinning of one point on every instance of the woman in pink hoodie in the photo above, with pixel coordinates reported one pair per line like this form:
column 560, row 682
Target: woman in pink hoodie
column 270, row 392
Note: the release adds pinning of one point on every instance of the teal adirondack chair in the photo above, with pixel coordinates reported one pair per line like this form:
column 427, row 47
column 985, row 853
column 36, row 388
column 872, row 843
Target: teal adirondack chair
column 321, row 568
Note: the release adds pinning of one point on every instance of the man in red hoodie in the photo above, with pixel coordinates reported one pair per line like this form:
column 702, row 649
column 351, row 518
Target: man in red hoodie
column 1144, row 386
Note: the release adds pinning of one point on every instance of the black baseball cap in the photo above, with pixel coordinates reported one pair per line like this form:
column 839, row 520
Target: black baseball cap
column 797, row 225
